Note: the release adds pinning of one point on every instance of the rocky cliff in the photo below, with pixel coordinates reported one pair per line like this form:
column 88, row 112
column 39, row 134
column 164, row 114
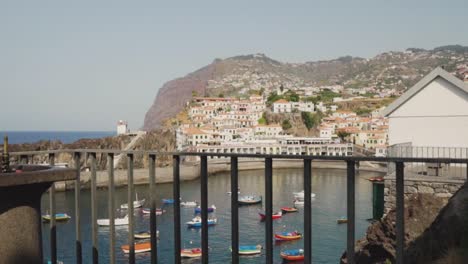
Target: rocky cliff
column 236, row 74
column 435, row 232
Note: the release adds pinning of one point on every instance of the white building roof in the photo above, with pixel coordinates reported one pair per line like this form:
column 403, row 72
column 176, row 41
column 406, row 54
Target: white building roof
column 437, row 72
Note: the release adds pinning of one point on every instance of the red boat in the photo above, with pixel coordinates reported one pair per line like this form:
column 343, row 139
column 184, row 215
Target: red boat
column 274, row 216
column 288, row 210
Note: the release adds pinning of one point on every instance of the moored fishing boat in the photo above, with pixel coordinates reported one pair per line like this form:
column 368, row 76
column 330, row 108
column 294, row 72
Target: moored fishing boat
column 249, row 249
column 293, row 254
column 136, row 204
column 145, row 234
column 197, row 222
column 288, row 210
column 300, row 195
column 117, row 221
column 139, row 247
column 287, row 236
column 298, row 202
column 168, row 201
column 249, row 199
column 188, row 204
column 191, row 253
column 60, row 217
column 209, row 209
column 342, row 220
column 273, row 216
column 158, row 211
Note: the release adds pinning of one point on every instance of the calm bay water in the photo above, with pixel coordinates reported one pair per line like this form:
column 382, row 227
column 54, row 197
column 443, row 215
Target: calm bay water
column 329, row 239
column 17, row 137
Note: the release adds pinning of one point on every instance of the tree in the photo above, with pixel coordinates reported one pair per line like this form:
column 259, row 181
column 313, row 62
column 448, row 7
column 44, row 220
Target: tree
column 311, row 120
column 342, row 135
column 281, row 88
column 194, row 94
column 286, row 124
column 273, row 97
column 262, row 121
column 221, row 95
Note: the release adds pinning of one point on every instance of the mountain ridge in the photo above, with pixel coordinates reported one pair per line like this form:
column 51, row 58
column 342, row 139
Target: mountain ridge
column 236, row 74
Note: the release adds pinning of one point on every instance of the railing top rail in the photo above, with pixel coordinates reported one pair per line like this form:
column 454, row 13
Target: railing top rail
column 246, row 155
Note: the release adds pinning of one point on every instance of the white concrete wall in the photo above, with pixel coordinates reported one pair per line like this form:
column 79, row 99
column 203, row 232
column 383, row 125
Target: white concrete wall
column 436, row 116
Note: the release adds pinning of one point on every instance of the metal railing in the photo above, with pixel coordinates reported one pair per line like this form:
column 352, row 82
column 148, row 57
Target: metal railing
column 152, row 157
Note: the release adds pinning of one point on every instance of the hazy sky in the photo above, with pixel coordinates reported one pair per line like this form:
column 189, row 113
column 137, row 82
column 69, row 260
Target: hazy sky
column 84, row 65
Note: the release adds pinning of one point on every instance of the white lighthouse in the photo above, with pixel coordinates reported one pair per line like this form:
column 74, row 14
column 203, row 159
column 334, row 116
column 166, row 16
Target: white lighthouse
column 122, row 127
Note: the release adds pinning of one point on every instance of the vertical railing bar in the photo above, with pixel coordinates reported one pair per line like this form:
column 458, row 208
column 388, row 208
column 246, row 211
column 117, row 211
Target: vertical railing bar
column 308, row 211
column 269, row 209
column 400, row 212
column 94, row 227
column 131, row 243
column 204, row 207
column 176, row 197
column 111, row 202
column 234, row 211
column 153, row 224
column 350, row 193
column 79, row 256
column 53, row 226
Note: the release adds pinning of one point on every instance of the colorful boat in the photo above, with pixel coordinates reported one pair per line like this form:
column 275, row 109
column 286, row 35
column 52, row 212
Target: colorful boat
column 286, row 210
column 158, row 211
column 210, row 209
column 293, row 254
column 273, row 216
column 249, row 199
column 60, row 217
column 197, row 222
column 145, row 235
column 168, row 201
column 287, row 236
column 139, row 247
column 250, row 249
column 342, row 220
column 191, row 253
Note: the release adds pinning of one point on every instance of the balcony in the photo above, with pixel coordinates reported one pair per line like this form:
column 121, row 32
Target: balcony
column 306, row 160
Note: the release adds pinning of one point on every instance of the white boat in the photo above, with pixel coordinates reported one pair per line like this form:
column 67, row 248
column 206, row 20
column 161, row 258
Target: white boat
column 136, row 204
column 117, row 221
column 197, row 222
column 300, row 195
column 189, row 204
column 298, row 202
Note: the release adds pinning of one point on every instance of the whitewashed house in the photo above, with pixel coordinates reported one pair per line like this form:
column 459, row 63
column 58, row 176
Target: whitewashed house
column 282, row 106
column 434, row 112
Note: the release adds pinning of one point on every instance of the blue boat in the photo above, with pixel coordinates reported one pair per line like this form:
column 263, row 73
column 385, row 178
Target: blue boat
column 210, row 209
column 293, row 254
column 250, row 249
column 168, row 201
column 197, row 222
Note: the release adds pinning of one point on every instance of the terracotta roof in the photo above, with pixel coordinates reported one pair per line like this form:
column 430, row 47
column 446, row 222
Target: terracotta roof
column 194, row 131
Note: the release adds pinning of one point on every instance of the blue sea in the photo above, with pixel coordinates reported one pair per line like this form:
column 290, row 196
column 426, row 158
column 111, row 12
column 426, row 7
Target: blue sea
column 18, row 137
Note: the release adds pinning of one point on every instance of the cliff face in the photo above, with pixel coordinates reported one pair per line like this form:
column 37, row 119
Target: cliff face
column 174, row 94
column 235, row 75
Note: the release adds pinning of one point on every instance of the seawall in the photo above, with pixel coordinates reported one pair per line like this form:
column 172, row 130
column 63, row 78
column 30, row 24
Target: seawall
column 191, row 171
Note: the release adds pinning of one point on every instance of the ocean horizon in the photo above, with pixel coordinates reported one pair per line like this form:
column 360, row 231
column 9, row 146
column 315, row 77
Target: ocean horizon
column 20, row 137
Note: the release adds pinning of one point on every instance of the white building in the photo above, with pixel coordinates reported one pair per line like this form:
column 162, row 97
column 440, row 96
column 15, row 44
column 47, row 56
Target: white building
column 434, row 112
column 282, row 106
column 122, row 127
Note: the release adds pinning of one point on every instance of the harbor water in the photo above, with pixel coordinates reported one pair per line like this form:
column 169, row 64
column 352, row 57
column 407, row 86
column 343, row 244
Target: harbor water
column 328, row 237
